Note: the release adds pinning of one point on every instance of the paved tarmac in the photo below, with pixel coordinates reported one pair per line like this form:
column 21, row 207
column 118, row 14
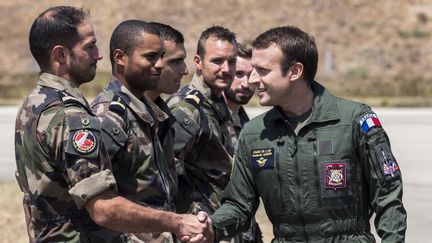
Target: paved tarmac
column 410, row 133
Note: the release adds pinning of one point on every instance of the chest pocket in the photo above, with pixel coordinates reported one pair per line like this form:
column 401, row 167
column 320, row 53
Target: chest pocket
column 337, row 169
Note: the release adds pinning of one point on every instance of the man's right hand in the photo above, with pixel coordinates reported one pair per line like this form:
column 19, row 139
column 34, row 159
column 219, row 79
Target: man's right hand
column 196, row 228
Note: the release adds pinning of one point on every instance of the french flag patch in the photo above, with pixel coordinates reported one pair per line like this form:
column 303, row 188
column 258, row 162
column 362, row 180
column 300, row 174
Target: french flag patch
column 368, row 121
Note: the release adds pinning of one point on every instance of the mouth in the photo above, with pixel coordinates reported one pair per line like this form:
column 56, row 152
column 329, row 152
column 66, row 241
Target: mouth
column 156, row 75
column 225, row 78
column 261, row 91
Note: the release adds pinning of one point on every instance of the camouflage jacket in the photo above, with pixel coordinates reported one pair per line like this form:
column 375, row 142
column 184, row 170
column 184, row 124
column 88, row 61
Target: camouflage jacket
column 142, row 171
column 61, row 163
column 202, row 146
column 238, row 119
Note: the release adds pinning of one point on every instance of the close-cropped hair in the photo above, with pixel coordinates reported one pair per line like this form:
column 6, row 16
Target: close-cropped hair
column 295, row 45
column 221, row 33
column 126, row 35
column 168, row 33
column 55, row 26
column 244, row 50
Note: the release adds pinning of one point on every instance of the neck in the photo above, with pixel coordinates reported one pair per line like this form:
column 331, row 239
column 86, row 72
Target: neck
column 137, row 93
column 232, row 105
column 299, row 101
column 152, row 94
column 61, row 72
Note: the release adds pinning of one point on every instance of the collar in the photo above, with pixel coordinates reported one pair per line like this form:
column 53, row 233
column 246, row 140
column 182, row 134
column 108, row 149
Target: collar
column 159, row 112
column 217, row 103
column 138, row 106
column 53, row 81
column 324, row 106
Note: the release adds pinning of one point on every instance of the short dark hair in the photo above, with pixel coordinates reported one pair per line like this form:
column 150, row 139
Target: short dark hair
column 168, row 33
column 126, row 35
column 219, row 32
column 295, row 45
column 55, row 26
column 244, row 50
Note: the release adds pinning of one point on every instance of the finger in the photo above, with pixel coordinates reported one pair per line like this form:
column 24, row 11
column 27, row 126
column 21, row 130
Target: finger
column 202, row 216
column 198, row 238
column 185, row 238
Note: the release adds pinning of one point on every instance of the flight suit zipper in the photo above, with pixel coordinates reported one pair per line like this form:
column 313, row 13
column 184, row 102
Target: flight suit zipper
column 298, row 182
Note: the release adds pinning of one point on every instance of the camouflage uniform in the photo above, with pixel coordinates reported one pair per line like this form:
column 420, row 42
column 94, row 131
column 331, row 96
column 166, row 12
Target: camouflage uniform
column 140, row 166
column 61, row 163
column 238, row 119
column 202, row 146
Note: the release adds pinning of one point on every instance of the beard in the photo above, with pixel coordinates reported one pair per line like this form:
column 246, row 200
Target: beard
column 137, row 82
column 79, row 72
column 242, row 100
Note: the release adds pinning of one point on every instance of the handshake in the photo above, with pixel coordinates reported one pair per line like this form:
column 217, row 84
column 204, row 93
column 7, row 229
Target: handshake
column 195, row 228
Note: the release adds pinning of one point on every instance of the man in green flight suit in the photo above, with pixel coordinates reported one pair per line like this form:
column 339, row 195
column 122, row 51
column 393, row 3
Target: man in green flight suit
column 322, row 165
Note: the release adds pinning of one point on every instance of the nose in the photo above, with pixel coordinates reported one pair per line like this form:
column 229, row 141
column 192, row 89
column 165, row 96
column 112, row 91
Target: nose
column 254, row 78
column 98, row 54
column 225, row 67
column 159, row 63
column 185, row 68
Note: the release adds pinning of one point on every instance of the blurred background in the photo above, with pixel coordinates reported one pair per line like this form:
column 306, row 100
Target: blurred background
column 378, row 52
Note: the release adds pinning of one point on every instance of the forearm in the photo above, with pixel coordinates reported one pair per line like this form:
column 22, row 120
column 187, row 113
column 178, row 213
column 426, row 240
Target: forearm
column 122, row 215
column 391, row 216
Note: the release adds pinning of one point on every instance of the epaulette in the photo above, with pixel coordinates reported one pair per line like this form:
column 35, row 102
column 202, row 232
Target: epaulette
column 118, row 106
column 195, row 98
column 69, row 100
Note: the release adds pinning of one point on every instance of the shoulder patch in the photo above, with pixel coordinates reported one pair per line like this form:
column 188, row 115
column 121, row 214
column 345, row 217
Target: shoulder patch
column 390, row 167
column 369, row 120
column 84, row 141
column 262, row 158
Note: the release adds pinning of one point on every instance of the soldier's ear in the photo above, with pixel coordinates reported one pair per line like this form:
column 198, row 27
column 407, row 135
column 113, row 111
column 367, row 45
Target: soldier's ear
column 120, row 57
column 59, row 54
column 198, row 62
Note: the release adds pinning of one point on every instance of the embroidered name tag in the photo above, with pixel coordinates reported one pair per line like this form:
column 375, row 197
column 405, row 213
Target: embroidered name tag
column 335, row 175
column 262, row 158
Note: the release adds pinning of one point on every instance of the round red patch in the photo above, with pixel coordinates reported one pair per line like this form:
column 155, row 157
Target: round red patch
column 84, row 141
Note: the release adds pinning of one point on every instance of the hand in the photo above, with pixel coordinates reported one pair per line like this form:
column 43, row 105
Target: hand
column 196, row 228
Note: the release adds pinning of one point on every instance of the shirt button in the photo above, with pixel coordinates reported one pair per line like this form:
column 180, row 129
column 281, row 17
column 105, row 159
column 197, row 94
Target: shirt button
column 85, row 121
column 116, row 130
column 186, row 121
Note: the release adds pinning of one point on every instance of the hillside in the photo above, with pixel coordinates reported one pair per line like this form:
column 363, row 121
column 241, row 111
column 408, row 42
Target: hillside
column 367, row 47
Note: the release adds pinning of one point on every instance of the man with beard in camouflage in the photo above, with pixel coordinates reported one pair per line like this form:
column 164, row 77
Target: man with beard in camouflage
column 130, row 131
column 70, row 194
column 202, row 143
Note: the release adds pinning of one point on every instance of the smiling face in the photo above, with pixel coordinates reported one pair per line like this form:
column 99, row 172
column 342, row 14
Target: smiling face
column 217, row 67
column 273, row 87
column 240, row 92
column 143, row 67
column 174, row 67
column 84, row 55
